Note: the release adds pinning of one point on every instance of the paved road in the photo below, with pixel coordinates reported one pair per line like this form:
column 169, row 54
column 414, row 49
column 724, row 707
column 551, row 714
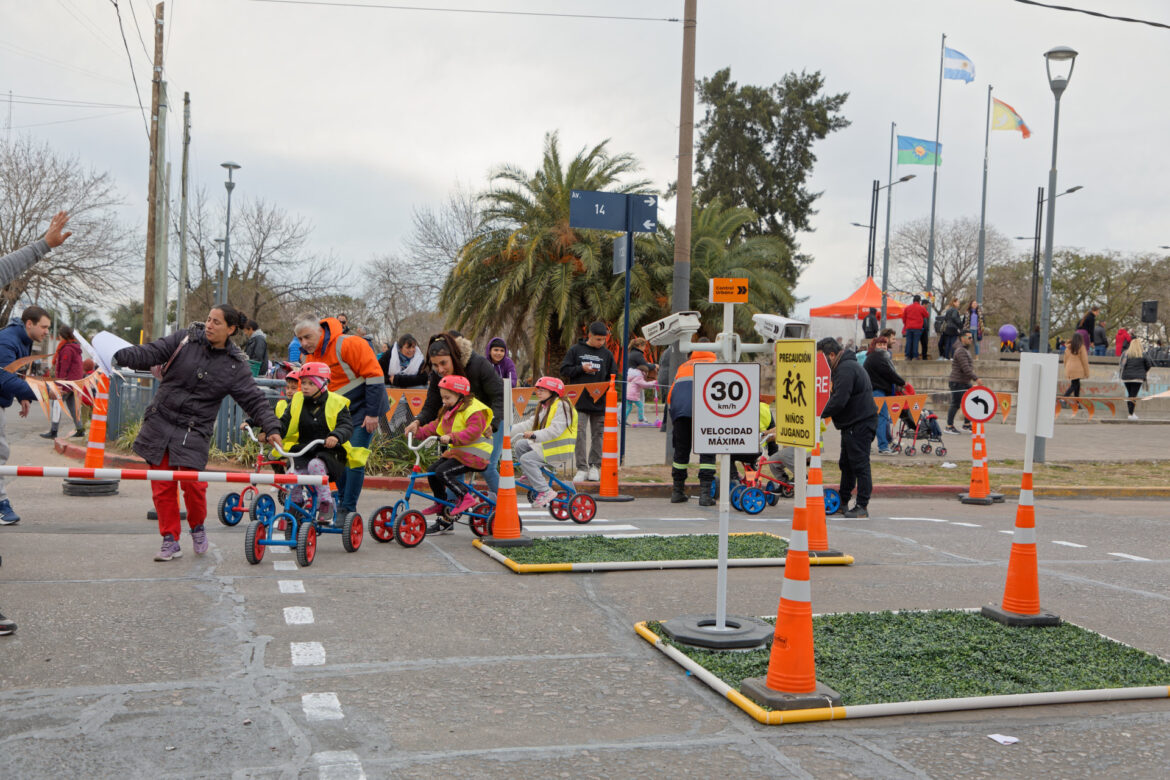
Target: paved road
column 437, row 662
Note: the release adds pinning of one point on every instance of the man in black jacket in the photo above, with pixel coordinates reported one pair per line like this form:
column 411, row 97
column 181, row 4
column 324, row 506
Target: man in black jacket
column 853, row 411
column 589, row 361
column 885, row 381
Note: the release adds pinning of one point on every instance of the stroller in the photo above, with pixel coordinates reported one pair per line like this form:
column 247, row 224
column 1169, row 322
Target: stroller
column 927, row 429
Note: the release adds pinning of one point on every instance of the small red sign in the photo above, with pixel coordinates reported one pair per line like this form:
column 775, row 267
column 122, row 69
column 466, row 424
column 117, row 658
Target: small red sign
column 824, row 382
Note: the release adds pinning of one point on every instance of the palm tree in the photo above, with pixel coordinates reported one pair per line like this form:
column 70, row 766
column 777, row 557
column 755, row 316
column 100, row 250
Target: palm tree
column 528, row 275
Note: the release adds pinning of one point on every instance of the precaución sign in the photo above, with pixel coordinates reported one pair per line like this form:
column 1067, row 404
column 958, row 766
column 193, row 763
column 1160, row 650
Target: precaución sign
column 726, row 408
column 796, row 417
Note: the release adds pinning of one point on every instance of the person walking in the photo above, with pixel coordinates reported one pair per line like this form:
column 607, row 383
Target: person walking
column 962, row 377
column 851, row 406
column 200, row 367
column 1132, row 368
column 256, row 348
column 16, row 342
column 886, row 381
column 355, row 374
column 975, row 322
column 1076, row 365
column 913, row 320
column 67, row 365
column 1100, row 339
column 589, row 361
column 497, row 354
column 680, row 404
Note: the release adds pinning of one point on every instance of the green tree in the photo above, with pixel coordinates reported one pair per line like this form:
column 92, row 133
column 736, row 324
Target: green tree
column 126, row 321
column 755, row 150
column 526, row 273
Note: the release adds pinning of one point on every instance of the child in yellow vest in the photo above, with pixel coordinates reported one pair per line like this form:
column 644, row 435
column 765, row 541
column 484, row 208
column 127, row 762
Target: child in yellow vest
column 464, row 425
column 315, row 413
column 548, row 435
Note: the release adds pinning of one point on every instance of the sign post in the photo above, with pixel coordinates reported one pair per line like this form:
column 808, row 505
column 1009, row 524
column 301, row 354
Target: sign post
column 629, row 214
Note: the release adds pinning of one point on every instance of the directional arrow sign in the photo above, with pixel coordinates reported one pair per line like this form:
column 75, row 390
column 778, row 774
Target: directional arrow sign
column 643, row 213
column 979, row 404
column 598, row 210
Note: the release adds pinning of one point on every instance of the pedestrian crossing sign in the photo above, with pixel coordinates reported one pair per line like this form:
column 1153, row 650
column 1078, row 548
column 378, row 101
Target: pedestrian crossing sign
column 796, row 417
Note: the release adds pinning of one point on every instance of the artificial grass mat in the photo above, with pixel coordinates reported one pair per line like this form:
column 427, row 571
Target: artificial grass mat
column 872, row 658
column 596, row 549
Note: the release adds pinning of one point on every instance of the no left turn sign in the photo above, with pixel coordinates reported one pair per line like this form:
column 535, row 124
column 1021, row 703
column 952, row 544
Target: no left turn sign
column 980, row 404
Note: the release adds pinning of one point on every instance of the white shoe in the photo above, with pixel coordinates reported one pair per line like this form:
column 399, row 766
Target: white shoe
column 1133, row 417
column 594, row 474
column 579, row 476
column 543, row 499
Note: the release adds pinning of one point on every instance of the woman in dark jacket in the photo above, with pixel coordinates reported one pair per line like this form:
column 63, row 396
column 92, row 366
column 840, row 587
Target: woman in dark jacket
column 1133, row 367
column 404, row 364
column 67, row 365
column 886, row 381
column 199, row 368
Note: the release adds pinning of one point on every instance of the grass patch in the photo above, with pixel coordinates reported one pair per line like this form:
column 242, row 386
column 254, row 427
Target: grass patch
column 598, row 549
column 908, row 656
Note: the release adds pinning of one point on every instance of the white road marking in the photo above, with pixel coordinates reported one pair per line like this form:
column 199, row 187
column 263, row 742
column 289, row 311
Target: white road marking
column 339, row 765
column 322, row 706
column 1012, row 533
column 1070, row 544
column 307, row 653
column 574, row 528
column 284, row 565
column 966, row 525
column 291, row 586
column 1129, row 557
column 926, row 519
column 298, row 616
column 279, row 550
column 681, row 519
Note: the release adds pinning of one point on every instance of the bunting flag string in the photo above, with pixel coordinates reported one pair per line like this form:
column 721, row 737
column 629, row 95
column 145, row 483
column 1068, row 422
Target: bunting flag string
column 520, row 396
column 1005, row 404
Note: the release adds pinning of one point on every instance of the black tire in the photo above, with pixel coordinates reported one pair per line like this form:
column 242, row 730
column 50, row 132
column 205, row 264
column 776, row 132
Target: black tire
column 410, row 528
column 306, row 544
column 382, row 524
column 254, row 551
column 229, row 510
column 263, row 508
column 909, row 451
column 941, row 452
column 351, row 538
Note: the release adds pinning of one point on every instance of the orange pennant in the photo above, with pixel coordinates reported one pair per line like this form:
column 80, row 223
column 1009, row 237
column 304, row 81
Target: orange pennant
column 415, row 399
column 20, row 363
column 597, row 390
column 393, row 395
column 520, row 396
column 1090, row 407
column 38, row 388
column 1059, row 407
column 916, row 403
column 1005, row 403
column 573, row 392
column 895, row 405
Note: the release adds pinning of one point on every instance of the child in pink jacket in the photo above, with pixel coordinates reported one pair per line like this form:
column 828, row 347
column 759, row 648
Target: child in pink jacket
column 637, row 380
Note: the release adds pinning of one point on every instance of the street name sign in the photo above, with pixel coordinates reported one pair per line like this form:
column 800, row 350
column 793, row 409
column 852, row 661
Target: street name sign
column 796, row 392
column 614, row 211
column 726, row 417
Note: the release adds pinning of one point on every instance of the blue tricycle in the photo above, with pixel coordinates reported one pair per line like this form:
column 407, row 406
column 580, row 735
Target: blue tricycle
column 297, row 520
column 409, row 526
column 568, row 504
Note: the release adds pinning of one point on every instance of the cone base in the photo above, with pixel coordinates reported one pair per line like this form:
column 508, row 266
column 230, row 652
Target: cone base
column 518, row 541
column 825, row 554
column 153, row 515
column 996, row 497
column 756, row 689
column 698, row 630
column 967, row 498
column 618, row 497
column 1001, row 615
column 89, row 487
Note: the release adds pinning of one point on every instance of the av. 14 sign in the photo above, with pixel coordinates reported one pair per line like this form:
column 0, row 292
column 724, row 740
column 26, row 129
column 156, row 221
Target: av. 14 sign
column 726, row 408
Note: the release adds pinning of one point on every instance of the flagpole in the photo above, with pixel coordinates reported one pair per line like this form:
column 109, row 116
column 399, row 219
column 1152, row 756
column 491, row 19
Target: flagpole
column 933, row 196
column 886, row 250
column 983, row 207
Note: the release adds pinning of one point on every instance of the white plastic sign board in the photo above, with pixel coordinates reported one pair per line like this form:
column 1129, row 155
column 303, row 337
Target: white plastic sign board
column 980, row 404
column 726, row 416
column 1037, row 396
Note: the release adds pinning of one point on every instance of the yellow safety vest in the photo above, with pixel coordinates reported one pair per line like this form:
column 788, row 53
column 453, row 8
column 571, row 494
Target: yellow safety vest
column 355, row 457
column 564, row 446
column 481, row 446
column 765, row 417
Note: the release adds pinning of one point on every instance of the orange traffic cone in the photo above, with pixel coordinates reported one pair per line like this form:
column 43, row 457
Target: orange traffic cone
column 505, row 525
column 1021, row 596
column 791, row 682
column 95, row 450
column 609, row 449
column 818, row 531
column 980, row 490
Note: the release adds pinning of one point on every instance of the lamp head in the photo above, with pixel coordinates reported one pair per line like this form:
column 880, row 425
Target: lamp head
column 908, row 177
column 1056, row 61
column 1071, row 190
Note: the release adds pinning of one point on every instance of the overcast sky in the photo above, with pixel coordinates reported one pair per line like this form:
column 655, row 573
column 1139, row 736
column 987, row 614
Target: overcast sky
column 353, row 116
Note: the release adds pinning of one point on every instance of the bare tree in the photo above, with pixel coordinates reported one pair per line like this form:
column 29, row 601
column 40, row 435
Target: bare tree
column 102, row 257
column 956, row 257
column 397, row 293
column 438, row 236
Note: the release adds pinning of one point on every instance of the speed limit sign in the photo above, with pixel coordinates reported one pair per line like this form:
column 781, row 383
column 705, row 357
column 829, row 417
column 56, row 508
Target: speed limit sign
column 726, row 408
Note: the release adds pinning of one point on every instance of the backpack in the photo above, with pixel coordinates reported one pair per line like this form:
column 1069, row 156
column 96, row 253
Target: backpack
column 939, row 322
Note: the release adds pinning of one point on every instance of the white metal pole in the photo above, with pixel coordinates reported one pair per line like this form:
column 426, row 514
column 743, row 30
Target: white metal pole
column 724, row 489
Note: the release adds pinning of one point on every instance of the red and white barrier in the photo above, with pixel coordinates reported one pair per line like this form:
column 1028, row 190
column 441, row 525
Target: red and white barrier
column 160, row 475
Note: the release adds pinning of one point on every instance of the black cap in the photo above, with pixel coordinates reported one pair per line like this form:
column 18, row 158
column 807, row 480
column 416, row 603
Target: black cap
column 598, row 328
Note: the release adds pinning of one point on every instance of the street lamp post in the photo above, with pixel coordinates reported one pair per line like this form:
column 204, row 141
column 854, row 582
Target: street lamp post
column 1055, row 58
column 873, row 209
column 227, row 241
column 219, row 296
column 1035, row 239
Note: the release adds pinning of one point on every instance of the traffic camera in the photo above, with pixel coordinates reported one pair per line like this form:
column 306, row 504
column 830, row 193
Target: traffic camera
column 672, row 328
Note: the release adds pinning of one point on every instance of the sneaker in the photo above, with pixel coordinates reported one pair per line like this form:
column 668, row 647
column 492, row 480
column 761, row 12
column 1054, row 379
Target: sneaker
column 8, row 515
column 952, row 429
column 579, row 476
column 543, row 499
column 885, row 452
column 441, row 527
column 199, row 537
column 465, row 503
column 170, row 549
column 325, row 515
column 1133, row 417
column 594, row 474
column 49, row 435
column 856, row 511
column 78, row 434
column 433, row 509
column 6, row 626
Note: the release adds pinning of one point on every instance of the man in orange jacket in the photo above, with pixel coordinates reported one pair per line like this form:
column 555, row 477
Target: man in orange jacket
column 355, row 374
column 680, row 401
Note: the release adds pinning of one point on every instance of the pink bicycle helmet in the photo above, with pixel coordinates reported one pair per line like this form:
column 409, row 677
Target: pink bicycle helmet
column 552, row 384
column 456, row 384
column 316, row 370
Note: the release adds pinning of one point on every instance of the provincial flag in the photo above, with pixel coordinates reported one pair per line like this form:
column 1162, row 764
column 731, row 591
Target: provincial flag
column 1004, row 117
column 916, row 151
column 957, row 65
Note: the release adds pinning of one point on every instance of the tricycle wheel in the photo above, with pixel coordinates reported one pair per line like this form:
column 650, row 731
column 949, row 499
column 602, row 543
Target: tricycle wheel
column 351, row 538
column 531, row 496
column 229, row 509
column 306, row 544
column 253, row 549
column 480, row 519
column 410, row 528
column 753, row 500
column 787, row 491
column 263, row 508
column 715, row 488
column 559, row 506
column 832, row 501
column 736, row 493
column 382, row 524
column 582, row 508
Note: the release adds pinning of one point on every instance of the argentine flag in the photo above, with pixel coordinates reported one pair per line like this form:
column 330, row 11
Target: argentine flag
column 957, row 65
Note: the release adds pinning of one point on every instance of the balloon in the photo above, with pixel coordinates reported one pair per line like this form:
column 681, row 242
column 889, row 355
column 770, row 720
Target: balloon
column 1008, row 333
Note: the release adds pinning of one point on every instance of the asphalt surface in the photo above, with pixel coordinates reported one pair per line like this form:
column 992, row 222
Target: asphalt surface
column 437, row 661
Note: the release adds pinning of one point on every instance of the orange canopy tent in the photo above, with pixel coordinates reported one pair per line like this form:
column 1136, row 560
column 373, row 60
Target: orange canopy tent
column 857, row 305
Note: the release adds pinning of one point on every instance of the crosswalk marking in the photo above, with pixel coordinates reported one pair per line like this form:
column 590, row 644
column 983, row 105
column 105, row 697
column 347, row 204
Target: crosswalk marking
column 291, row 586
column 322, row 706
column 573, row 528
column 1069, row 544
column 298, row 616
column 1129, row 557
column 307, row 653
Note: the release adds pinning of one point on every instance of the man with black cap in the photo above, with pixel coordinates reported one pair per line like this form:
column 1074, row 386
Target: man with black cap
column 589, row 361
column 853, row 411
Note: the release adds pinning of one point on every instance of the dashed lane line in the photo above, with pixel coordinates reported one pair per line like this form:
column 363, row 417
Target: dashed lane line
column 966, row 525
column 298, row 616
column 1069, row 544
column 339, row 765
column 284, row 565
column 578, row 529
column 291, row 586
column 322, row 706
column 307, row 653
column 1129, row 557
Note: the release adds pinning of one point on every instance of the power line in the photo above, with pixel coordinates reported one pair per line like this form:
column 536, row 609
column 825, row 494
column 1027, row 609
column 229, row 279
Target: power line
column 492, row 12
column 1096, row 13
column 85, row 22
column 76, row 119
column 38, row 56
column 40, row 100
column 138, row 30
column 130, row 59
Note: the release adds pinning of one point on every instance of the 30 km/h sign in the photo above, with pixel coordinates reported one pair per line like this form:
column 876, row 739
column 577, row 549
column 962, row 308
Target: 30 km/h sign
column 979, row 404
column 726, row 418
column 796, row 392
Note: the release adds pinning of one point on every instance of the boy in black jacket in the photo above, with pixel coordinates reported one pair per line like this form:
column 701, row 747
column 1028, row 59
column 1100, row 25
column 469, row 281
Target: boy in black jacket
column 853, row 411
column 589, row 361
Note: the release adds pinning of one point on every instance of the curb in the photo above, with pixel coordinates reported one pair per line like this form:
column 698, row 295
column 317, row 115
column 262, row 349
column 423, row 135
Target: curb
column 662, row 489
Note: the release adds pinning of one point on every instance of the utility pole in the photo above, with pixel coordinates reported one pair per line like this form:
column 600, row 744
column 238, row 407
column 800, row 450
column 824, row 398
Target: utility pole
column 162, row 227
column 157, row 142
column 181, row 295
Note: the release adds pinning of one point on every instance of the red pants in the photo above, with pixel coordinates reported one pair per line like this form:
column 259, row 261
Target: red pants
column 166, row 502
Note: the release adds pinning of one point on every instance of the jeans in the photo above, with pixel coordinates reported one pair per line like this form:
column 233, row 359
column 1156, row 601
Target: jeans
column 640, row 405
column 912, row 336
column 590, row 427
column 355, row 478
column 946, row 346
column 957, row 390
column 854, row 462
column 491, row 475
column 883, row 425
column 1099, row 349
